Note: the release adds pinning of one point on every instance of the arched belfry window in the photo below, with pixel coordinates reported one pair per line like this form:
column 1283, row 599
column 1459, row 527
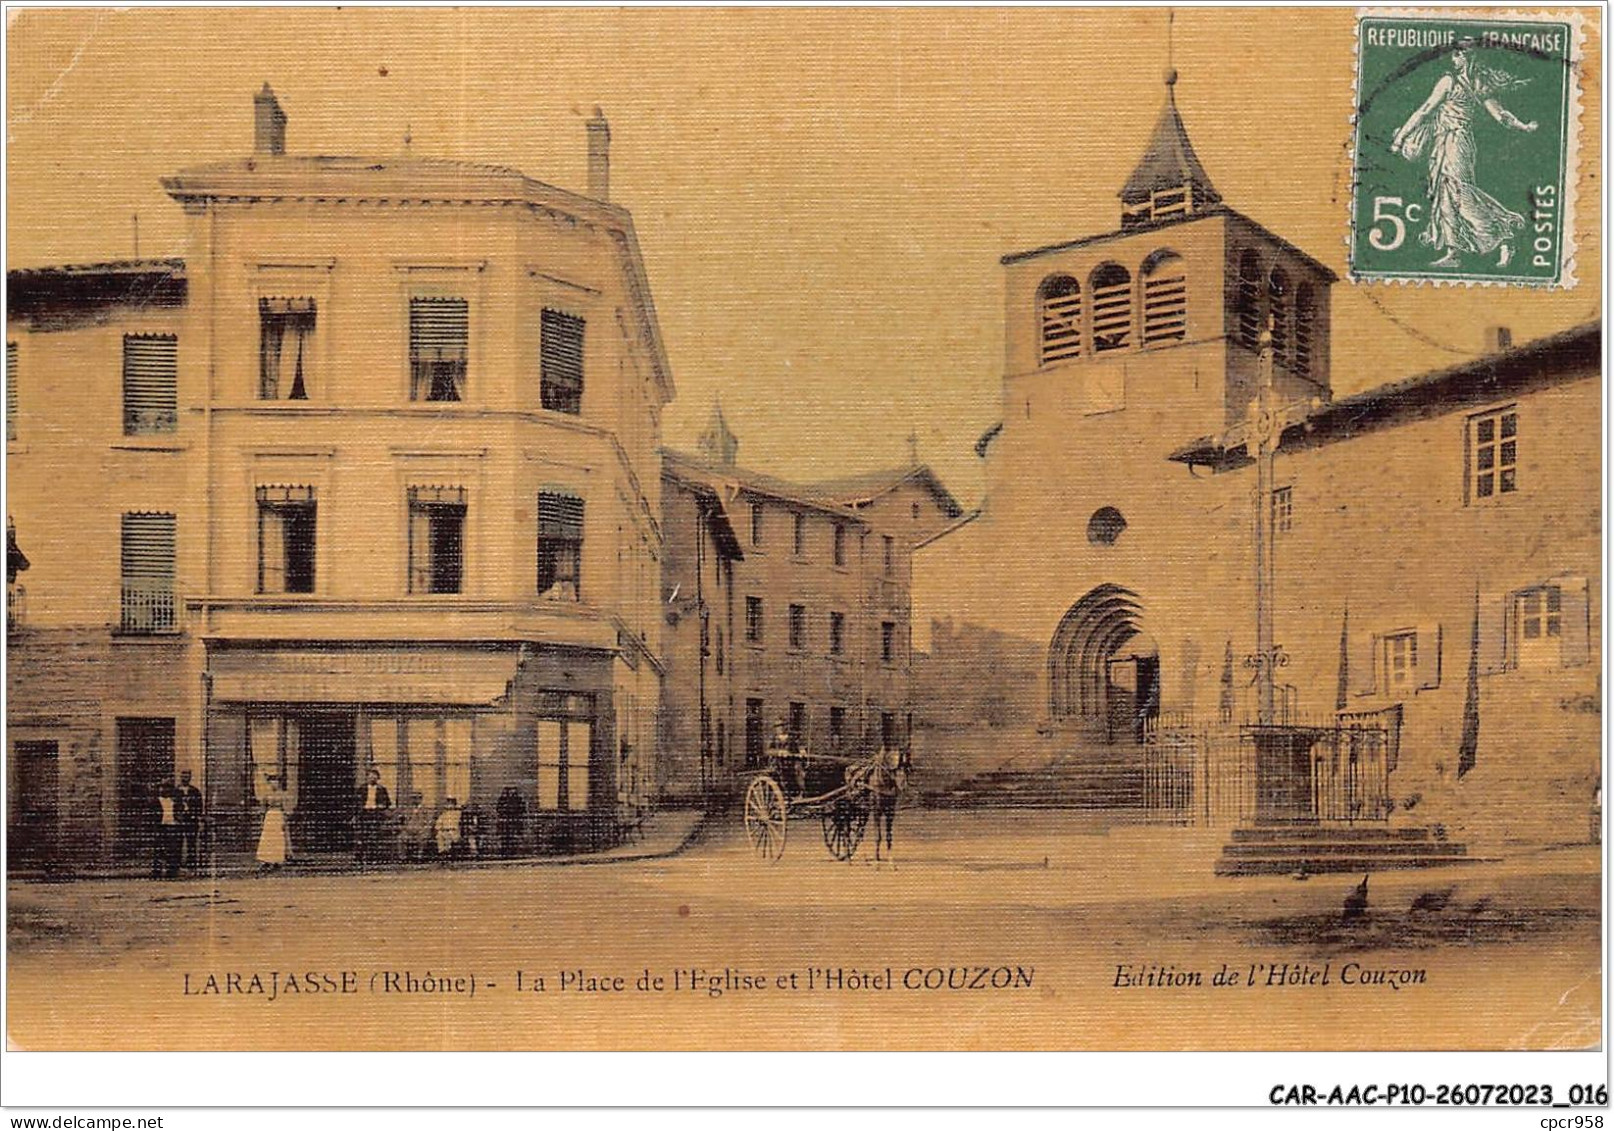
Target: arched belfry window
column 1059, row 312
column 1165, row 299
column 1281, row 299
column 1247, row 301
column 1305, row 329
column 1111, row 286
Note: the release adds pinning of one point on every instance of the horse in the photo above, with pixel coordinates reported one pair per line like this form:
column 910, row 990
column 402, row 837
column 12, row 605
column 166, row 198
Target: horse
column 888, row 777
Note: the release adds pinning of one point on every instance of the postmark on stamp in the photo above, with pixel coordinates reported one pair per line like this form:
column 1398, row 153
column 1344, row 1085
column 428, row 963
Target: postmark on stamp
column 1464, row 158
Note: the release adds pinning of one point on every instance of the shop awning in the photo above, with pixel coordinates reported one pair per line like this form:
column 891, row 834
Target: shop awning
column 434, row 677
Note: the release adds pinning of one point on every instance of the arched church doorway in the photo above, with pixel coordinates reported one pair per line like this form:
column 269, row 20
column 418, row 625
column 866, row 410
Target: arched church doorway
column 1103, row 668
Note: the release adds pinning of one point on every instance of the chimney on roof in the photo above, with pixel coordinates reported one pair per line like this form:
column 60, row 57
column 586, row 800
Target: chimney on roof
column 599, row 156
column 268, row 123
column 1498, row 338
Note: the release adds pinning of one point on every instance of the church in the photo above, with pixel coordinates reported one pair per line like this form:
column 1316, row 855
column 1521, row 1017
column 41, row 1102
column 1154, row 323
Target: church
column 1187, row 538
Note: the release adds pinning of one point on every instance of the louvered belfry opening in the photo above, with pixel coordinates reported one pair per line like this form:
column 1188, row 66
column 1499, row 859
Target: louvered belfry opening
column 560, row 546
column 1165, row 299
column 149, row 543
column 1280, row 311
column 150, row 384
column 1112, row 308
column 1247, row 301
column 561, row 362
column 1305, row 329
column 439, row 337
column 1059, row 304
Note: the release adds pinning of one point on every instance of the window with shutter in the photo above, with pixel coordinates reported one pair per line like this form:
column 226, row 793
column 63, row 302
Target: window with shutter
column 1111, row 285
column 888, row 642
column 285, row 348
column 560, row 546
column 798, row 626
column 753, row 619
column 1165, row 299
column 148, row 555
column 561, row 362
column 436, row 539
column 439, row 337
column 1059, row 315
column 150, row 384
column 1538, row 617
column 11, row 390
column 286, row 529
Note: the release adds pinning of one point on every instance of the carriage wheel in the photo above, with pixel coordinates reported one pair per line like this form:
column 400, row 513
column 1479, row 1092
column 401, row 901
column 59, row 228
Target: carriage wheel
column 843, row 829
column 765, row 817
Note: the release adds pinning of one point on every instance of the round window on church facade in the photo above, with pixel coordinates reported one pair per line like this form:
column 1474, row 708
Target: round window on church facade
column 1105, row 526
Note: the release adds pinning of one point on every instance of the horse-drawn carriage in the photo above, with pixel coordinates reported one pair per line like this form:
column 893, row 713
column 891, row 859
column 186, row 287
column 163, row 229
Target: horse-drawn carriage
column 840, row 791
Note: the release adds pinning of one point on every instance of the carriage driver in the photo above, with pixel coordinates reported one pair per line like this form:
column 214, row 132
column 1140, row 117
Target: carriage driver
column 792, row 767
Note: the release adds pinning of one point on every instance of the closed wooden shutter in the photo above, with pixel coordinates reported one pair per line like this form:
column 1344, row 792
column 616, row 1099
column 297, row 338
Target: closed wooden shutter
column 148, row 551
column 1364, row 662
column 11, row 390
column 150, row 384
column 1492, row 633
column 1575, row 632
column 1429, row 658
column 439, row 337
column 1304, row 330
column 561, row 362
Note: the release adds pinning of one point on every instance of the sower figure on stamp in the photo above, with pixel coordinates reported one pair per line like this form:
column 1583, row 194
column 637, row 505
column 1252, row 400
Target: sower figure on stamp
column 375, row 806
column 1462, row 216
column 188, row 801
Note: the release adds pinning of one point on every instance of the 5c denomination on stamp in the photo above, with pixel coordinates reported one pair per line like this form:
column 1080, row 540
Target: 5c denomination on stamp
column 1465, row 148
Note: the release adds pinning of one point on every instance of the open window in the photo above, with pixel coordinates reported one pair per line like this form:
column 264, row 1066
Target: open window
column 286, row 529
column 285, row 348
column 436, row 539
column 560, row 546
column 439, row 345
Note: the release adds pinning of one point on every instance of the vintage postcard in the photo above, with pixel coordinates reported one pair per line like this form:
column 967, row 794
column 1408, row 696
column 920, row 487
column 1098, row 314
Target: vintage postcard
column 793, row 529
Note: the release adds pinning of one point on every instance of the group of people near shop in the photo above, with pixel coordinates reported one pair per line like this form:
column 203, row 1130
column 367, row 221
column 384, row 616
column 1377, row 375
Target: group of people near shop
column 383, row 833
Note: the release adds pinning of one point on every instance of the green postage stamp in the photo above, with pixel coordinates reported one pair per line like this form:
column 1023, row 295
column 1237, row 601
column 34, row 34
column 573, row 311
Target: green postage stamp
column 1465, row 147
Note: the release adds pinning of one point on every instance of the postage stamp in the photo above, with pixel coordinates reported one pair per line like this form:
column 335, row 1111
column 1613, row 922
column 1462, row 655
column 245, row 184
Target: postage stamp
column 1465, row 148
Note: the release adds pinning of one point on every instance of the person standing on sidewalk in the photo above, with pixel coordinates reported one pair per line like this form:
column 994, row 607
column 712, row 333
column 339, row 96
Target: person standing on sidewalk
column 165, row 842
column 375, row 806
column 274, row 841
column 189, row 803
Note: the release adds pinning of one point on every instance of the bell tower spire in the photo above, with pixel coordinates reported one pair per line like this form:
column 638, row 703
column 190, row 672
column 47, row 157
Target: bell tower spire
column 1169, row 183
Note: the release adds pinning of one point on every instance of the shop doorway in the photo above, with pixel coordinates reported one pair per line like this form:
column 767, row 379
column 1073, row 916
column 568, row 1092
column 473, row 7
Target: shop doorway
column 326, row 782
column 145, row 760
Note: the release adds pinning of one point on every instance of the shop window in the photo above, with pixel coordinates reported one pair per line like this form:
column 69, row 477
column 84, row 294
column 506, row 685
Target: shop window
column 560, row 546
column 285, row 348
column 436, row 539
column 439, row 344
column 286, row 527
column 565, row 736
column 561, row 362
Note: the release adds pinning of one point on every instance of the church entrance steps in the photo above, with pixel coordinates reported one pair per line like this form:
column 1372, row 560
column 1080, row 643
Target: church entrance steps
column 1273, row 849
column 1096, row 778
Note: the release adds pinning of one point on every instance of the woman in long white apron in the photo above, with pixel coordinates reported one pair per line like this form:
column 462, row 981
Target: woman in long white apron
column 274, row 842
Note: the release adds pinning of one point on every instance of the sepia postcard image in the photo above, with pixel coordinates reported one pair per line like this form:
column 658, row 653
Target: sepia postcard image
column 804, row 529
